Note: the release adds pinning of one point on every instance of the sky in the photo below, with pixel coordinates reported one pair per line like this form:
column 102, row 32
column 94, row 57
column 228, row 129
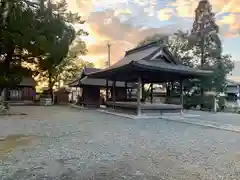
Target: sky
column 123, row 23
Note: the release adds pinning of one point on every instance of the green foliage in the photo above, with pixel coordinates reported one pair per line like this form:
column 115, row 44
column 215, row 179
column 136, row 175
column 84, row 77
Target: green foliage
column 56, row 61
column 207, row 101
column 220, row 67
column 156, row 37
column 69, row 69
column 39, row 33
column 16, row 36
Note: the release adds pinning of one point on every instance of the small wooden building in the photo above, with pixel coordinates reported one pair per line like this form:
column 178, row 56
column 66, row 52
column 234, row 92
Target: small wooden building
column 90, row 88
column 25, row 91
column 61, row 96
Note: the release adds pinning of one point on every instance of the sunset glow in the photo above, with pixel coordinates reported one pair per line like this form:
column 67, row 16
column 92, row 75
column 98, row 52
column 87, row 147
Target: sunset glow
column 131, row 21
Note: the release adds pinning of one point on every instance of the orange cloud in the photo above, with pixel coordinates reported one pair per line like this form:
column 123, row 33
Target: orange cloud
column 165, row 14
column 232, row 6
column 233, row 21
column 122, row 12
column 185, row 8
column 106, row 25
column 122, row 36
column 83, row 7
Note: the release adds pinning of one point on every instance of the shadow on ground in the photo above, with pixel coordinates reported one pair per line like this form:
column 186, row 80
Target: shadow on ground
column 12, row 142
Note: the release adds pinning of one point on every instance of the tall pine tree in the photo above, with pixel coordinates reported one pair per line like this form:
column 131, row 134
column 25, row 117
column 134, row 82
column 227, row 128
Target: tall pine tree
column 204, row 34
column 206, row 45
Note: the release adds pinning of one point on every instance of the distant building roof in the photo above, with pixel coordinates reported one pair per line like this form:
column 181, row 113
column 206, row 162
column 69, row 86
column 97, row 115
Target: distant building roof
column 88, row 70
column 82, row 74
column 83, row 80
column 101, row 82
column 62, row 90
column 231, row 82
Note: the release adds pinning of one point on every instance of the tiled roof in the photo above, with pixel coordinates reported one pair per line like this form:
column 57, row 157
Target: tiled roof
column 153, row 57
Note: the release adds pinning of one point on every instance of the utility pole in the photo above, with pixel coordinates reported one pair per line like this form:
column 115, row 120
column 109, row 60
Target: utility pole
column 109, row 55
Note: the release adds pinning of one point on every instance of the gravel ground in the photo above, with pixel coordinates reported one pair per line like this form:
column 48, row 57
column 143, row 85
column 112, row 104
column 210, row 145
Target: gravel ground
column 220, row 117
column 69, row 144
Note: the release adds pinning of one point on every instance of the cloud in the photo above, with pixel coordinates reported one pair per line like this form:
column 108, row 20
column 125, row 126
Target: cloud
column 121, row 35
column 165, row 14
column 83, row 7
column 233, row 22
column 186, row 9
column 235, row 75
column 124, row 23
column 141, row 2
column 126, row 11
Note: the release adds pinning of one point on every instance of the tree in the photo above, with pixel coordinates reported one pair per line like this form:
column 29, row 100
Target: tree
column 17, row 35
column 206, row 46
column 60, row 34
column 69, row 69
column 221, row 67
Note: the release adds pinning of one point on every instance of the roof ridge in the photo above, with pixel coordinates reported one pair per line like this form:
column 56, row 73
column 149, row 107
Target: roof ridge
column 154, row 43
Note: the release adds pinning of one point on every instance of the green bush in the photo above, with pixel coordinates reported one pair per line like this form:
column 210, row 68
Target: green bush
column 207, row 102
column 222, row 101
column 191, row 101
column 4, row 107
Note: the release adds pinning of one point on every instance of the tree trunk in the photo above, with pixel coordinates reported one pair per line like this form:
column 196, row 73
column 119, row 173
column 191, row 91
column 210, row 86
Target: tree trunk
column 4, row 107
column 50, row 87
column 1, row 90
column 7, row 72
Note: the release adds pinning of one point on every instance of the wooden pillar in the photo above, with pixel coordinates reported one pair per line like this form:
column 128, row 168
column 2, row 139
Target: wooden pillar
column 181, row 93
column 107, row 90
column 76, row 94
column 151, row 86
column 139, row 96
column 130, row 93
column 172, row 85
column 72, row 95
column 126, row 88
column 114, row 93
column 142, row 91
